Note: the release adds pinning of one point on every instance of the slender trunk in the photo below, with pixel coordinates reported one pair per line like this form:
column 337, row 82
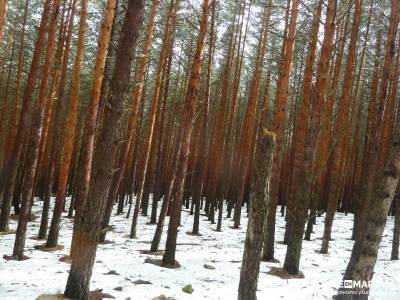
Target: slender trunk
column 34, row 139
column 166, row 200
column 157, row 194
column 217, row 138
column 278, row 128
column 152, row 116
column 368, row 153
column 70, row 131
column 46, row 146
column 84, row 171
column 250, row 119
column 56, row 122
column 321, row 162
column 9, row 172
column 12, row 131
column 303, row 157
column 198, row 178
column 117, row 178
column 3, row 109
column 301, row 123
column 189, row 109
column 341, row 130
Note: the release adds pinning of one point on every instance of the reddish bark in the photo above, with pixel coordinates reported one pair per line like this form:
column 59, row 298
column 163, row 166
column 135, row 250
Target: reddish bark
column 9, row 172
column 188, row 111
column 69, row 132
column 34, row 139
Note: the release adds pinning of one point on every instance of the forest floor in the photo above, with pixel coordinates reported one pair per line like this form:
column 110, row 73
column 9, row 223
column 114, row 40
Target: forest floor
column 120, row 268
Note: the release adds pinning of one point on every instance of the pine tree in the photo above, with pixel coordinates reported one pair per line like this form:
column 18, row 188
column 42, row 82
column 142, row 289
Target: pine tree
column 9, row 172
column 257, row 212
column 69, row 132
column 88, row 223
column 189, row 108
column 278, row 126
column 307, row 133
column 34, row 139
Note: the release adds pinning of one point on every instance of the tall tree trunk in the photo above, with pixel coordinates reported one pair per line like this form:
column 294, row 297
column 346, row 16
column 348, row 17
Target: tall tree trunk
column 84, row 171
column 68, row 144
column 34, row 139
column 365, row 249
column 217, row 138
column 45, row 141
column 358, row 139
column 277, row 127
column 167, row 195
column 88, row 222
column 137, row 95
column 3, row 109
column 9, row 172
column 150, row 124
column 162, row 142
column 379, row 101
column 240, row 41
column 12, row 130
column 321, row 161
column 246, row 149
column 300, row 190
column 200, row 156
column 258, row 209
column 341, row 131
column 57, row 121
column 188, row 111
column 42, row 176
column 301, row 119
column 368, row 153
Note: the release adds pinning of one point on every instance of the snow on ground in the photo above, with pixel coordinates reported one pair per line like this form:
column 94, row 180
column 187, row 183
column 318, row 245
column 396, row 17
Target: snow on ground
column 44, row 273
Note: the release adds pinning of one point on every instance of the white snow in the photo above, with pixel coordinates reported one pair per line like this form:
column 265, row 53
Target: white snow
column 44, row 273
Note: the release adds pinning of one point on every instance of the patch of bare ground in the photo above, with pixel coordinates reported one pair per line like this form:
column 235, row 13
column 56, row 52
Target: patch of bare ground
column 273, row 260
column 194, row 234
column 282, row 273
column 156, row 253
column 66, row 259
column 51, row 297
column 94, row 295
column 11, row 257
column 159, row 263
column 49, row 249
column 98, row 295
column 106, row 242
column 7, row 232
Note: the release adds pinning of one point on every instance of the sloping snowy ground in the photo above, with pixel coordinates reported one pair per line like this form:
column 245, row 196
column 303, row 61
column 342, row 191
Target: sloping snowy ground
column 44, row 273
